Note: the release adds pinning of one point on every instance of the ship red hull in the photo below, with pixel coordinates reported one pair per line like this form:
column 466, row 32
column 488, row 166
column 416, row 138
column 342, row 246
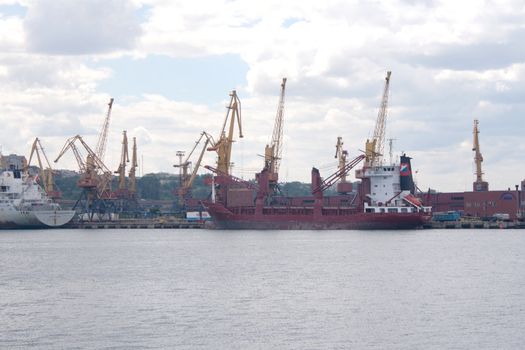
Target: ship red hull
column 224, row 218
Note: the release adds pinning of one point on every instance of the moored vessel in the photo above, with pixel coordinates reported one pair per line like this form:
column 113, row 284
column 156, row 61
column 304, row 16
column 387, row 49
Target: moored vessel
column 24, row 204
column 384, row 200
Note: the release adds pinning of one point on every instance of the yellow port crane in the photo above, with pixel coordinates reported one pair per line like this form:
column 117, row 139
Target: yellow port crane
column 100, row 149
column 132, row 184
column 124, row 158
column 187, row 180
column 479, row 185
column 46, row 173
column 223, row 146
column 374, row 148
column 273, row 151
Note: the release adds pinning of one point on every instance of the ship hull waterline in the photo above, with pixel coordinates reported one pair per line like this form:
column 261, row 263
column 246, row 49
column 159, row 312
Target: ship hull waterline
column 225, row 219
column 35, row 219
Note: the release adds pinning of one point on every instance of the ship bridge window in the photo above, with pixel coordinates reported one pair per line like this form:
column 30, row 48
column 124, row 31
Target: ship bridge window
column 392, row 210
column 369, row 210
column 404, row 210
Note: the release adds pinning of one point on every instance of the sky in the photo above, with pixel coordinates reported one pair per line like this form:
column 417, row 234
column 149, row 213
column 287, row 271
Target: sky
column 170, row 65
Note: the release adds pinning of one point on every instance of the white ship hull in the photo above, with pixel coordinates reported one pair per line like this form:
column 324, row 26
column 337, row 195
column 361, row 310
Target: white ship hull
column 23, row 204
column 13, row 219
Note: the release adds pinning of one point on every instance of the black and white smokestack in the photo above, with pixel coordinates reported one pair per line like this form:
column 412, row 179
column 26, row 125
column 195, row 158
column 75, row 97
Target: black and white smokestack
column 405, row 175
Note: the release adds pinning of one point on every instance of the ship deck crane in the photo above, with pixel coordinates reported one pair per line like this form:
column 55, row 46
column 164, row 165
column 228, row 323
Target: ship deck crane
column 479, row 185
column 329, row 181
column 46, row 173
column 273, row 151
column 223, row 146
column 230, row 179
column 187, row 180
column 341, row 155
column 375, row 148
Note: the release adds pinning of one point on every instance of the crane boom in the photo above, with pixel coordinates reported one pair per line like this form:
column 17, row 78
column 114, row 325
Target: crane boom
column 100, row 149
column 273, row 152
column 375, row 148
column 479, row 185
column 70, row 144
column 341, row 155
column 95, row 172
column 46, row 172
column 223, row 146
column 35, row 150
column 329, row 181
column 232, row 178
column 133, row 167
column 188, row 181
column 124, row 158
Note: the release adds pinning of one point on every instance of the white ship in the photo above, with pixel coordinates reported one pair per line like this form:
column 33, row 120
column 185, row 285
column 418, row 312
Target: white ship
column 24, row 204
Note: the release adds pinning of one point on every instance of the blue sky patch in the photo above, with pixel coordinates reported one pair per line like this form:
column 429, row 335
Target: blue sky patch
column 144, row 12
column 291, row 20
column 12, row 10
column 203, row 80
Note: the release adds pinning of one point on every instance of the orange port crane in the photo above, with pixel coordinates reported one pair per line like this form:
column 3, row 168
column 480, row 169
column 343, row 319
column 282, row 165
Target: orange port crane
column 100, row 149
column 223, row 146
column 479, row 185
column 186, row 179
column 46, row 174
column 124, row 158
column 374, row 148
column 95, row 177
column 273, row 151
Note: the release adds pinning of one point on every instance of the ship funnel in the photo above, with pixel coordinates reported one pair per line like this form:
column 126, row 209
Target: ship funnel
column 405, row 175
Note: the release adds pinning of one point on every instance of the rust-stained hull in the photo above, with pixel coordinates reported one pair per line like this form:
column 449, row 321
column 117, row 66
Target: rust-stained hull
column 308, row 219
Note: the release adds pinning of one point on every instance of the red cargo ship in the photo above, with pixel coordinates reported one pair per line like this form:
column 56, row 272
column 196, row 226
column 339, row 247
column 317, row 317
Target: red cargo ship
column 384, row 200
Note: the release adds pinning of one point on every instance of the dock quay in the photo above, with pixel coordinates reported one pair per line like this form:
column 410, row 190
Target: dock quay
column 137, row 224
column 476, row 224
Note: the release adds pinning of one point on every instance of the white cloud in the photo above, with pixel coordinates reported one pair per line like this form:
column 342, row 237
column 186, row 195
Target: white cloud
column 81, row 27
column 11, row 34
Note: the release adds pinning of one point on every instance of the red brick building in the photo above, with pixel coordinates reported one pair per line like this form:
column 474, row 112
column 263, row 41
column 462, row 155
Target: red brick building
column 479, row 204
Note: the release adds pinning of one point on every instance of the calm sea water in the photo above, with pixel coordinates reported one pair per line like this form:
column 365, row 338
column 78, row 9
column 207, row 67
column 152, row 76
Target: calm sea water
column 200, row 289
